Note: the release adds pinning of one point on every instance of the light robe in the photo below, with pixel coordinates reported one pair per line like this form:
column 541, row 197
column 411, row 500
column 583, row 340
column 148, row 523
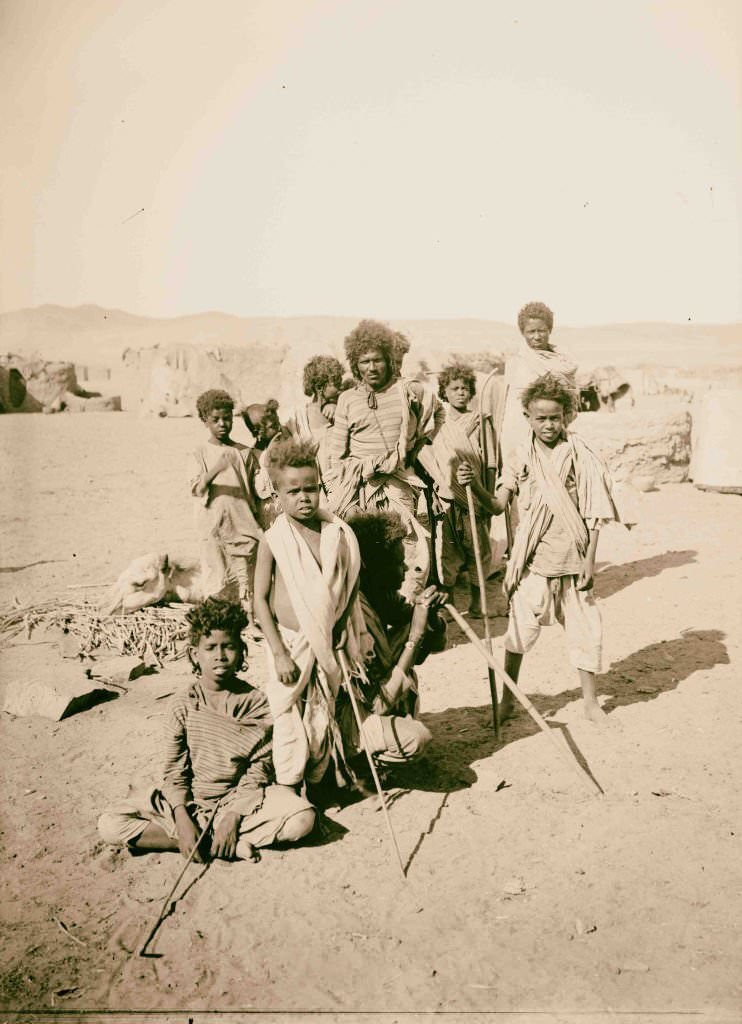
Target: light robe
column 305, row 734
column 521, row 370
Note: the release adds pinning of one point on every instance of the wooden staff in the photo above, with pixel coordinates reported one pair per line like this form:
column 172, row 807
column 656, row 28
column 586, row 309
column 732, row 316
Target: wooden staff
column 348, row 682
column 518, row 693
column 485, row 613
column 168, row 898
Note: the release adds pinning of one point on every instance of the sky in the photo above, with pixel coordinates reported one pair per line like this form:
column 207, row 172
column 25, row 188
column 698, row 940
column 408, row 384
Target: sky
column 387, row 158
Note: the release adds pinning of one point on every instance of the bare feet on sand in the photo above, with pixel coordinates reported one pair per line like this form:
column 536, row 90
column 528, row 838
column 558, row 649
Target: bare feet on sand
column 506, row 711
column 595, row 714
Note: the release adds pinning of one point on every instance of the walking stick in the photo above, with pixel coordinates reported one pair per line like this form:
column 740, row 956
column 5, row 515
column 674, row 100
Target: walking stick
column 191, row 855
column 518, row 693
column 345, row 668
column 485, row 614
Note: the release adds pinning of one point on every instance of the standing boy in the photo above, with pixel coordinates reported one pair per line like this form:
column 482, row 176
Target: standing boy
column 323, row 381
column 223, row 482
column 305, row 594
column 457, row 440
column 565, row 497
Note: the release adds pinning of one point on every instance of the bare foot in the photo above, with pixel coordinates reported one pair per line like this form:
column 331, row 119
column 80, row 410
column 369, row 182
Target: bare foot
column 595, row 714
column 506, row 711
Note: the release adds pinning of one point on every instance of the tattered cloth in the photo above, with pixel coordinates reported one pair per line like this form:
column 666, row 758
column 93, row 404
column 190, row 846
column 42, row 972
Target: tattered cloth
column 550, row 499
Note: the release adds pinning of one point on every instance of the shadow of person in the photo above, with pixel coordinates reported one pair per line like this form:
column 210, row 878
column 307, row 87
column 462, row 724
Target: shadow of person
column 460, row 736
column 612, row 578
column 649, row 672
column 463, row 735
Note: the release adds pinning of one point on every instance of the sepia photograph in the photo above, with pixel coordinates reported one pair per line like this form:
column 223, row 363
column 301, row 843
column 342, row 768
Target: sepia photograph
column 370, row 563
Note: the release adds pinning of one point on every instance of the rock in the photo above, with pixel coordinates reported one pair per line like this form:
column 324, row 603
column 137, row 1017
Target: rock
column 717, row 445
column 56, row 693
column 45, row 381
column 118, row 670
column 644, row 482
column 651, row 442
column 167, row 379
column 94, row 403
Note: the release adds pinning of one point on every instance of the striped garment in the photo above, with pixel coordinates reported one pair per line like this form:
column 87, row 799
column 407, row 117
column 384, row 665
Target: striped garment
column 364, row 432
column 218, row 744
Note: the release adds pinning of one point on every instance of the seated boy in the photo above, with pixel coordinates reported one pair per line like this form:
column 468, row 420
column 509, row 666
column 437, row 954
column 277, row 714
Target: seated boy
column 402, row 635
column 565, row 493
column 305, row 587
column 223, row 480
column 217, row 750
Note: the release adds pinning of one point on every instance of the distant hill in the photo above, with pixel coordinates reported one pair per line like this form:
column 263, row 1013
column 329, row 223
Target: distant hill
column 92, row 336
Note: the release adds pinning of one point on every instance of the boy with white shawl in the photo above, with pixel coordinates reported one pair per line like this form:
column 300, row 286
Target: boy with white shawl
column 565, row 497
column 306, row 596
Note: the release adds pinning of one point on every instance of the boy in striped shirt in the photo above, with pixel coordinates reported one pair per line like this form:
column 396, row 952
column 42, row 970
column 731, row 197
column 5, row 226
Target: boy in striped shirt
column 217, row 751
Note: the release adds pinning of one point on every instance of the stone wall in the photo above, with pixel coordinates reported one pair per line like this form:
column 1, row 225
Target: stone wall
column 647, row 445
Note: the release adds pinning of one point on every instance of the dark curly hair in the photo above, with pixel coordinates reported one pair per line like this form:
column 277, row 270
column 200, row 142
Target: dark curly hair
column 553, row 389
column 369, row 334
column 321, row 371
column 376, row 533
column 400, row 348
column 535, row 311
column 211, row 400
column 291, row 453
column 216, row 613
column 457, row 371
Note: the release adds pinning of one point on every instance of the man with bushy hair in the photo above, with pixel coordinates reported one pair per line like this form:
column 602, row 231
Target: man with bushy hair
column 380, row 426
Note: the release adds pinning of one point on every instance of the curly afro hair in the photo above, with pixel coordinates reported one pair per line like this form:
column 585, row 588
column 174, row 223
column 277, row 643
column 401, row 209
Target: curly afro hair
column 376, row 532
column 291, row 454
column 457, row 371
column 211, row 400
column 216, row 613
column 321, row 371
column 535, row 311
column 553, row 389
column 370, row 334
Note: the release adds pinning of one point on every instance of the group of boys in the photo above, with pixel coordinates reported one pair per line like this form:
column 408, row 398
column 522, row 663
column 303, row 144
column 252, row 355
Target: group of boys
column 317, row 531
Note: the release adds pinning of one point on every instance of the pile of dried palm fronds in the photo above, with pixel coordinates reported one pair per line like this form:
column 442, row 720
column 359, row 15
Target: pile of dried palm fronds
column 159, row 633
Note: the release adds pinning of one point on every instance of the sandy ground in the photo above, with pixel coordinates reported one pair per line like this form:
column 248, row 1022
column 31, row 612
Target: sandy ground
column 525, row 891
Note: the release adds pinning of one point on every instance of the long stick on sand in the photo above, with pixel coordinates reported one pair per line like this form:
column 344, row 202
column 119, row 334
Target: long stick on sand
column 518, row 693
column 166, row 902
column 345, row 668
column 483, row 600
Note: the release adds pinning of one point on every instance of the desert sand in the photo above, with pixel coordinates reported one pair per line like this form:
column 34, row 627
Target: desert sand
column 525, row 891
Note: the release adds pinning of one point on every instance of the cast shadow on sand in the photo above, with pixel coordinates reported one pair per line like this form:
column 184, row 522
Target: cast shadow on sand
column 464, row 735
column 612, row 578
column 19, row 568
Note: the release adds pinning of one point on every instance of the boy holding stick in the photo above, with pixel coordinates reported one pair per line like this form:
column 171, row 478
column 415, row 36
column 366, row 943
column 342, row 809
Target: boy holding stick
column 217, row 754
column 566, row 496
